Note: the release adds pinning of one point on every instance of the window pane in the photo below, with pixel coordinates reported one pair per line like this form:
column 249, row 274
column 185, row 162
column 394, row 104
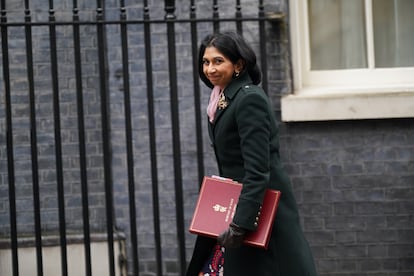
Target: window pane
column 337, row 34
column 393, row 33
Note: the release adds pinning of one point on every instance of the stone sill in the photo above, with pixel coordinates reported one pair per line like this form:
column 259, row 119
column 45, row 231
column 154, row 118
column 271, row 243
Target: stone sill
column 52, row 264
column 318, row 105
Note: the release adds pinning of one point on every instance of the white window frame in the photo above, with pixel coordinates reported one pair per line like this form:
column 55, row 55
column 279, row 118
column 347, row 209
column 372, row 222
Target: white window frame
column 343, row 94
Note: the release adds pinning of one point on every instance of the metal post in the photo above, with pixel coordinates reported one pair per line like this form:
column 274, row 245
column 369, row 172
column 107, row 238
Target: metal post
column 197, row 100
column 9, row 140
column 82, row 139
column 172, row 66
column 58, row 140
column 106, row 133
column 33, row 141
column 152, row 139
column 129, row 144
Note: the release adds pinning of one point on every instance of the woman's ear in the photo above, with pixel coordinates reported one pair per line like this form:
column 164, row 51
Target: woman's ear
column 239, row 66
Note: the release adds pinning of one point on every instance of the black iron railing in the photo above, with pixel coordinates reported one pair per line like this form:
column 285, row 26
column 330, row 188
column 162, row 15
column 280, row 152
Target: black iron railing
column 11, row 234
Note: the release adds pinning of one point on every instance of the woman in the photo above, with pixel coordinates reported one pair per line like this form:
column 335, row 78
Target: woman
column 243, row 131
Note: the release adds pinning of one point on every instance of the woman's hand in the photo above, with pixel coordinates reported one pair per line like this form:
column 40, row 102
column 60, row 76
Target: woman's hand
column 232, row 237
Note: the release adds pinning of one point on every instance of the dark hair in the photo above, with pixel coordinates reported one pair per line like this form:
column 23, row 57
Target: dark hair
column 234, row 47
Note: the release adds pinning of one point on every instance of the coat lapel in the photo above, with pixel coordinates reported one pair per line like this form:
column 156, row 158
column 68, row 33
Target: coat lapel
column 230, row 92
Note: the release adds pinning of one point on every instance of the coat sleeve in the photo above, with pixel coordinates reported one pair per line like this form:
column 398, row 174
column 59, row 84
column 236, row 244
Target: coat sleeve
column 253, row 121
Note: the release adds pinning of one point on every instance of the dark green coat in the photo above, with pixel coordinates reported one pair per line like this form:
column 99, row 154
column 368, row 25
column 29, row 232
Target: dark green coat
column 245, row 140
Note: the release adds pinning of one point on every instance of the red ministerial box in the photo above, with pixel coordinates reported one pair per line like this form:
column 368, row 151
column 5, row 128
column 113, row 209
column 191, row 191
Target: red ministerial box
column 217, row 204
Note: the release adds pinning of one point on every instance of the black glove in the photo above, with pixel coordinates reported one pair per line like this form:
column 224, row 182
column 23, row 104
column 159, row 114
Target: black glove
column 232, row 237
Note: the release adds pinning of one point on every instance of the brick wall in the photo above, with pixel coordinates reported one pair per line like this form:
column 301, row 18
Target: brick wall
column 353, row 181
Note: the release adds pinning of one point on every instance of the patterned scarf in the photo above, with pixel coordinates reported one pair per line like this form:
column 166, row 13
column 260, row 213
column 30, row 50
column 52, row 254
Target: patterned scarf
column 212, row 104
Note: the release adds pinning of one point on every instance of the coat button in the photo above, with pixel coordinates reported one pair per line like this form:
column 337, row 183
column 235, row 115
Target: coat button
column 256, row 224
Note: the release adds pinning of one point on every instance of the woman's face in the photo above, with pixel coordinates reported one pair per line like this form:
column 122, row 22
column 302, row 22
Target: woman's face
column 218, row 68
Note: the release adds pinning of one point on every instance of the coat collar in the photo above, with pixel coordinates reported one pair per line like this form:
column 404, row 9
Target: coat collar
column 230, row 92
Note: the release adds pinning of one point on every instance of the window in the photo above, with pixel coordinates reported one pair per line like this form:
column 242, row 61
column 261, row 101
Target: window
column 352, row 59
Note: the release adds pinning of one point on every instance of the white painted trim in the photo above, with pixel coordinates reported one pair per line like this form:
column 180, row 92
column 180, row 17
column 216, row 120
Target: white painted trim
column 304, row 77
column 346, row 106
column 342, row 94
column 370, row 34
